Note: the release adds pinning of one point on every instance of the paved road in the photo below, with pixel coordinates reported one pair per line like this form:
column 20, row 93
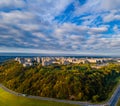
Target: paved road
column 112, row 102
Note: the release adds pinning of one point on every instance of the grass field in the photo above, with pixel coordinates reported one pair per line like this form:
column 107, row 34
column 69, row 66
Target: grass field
column 7, row 99
column 118, row 104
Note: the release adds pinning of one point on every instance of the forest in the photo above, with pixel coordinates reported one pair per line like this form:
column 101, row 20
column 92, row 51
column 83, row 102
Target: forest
column 78, row 82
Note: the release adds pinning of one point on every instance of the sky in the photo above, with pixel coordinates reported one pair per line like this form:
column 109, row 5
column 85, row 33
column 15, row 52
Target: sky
column 60, row 26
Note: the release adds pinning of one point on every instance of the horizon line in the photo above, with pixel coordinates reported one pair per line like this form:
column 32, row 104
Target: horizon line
column 56, row 54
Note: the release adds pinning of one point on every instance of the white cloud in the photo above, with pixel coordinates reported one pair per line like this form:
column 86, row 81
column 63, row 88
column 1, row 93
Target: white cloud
column 115, row 28
column 48, row 9
column 12, row 3
column 98, row 7
column 110, row 4
column 29, row 27
column 68, row 29
column 99, row 29
column 16, row 16
column 38, row 34
column 111, row 17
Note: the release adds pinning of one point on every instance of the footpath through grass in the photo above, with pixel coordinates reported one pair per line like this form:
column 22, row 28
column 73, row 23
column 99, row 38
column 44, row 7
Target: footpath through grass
column 7, row 99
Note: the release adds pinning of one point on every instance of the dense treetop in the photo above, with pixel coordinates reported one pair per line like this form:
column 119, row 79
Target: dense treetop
column 74, row 81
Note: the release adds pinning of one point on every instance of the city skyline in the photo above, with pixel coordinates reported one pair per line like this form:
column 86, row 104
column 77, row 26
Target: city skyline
column 60, row 26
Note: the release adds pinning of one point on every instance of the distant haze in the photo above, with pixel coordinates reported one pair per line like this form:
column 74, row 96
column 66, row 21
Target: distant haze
column 45, row 54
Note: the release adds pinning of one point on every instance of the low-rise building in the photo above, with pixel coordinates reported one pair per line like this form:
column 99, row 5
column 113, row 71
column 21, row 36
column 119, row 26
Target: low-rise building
column 26, row 64
column 45, row 61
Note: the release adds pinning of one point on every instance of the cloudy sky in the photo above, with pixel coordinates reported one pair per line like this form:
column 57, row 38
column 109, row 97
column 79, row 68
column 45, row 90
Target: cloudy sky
column 60, row 26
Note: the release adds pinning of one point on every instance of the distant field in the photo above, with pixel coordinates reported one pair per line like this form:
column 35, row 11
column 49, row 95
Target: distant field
column 7, row 99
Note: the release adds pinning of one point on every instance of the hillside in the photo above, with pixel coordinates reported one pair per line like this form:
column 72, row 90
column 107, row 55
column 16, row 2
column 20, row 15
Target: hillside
column 73, row 82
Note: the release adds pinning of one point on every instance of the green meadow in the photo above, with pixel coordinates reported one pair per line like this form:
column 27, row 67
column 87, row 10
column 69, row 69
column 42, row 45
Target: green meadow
column 7, row 99
column 118, row 104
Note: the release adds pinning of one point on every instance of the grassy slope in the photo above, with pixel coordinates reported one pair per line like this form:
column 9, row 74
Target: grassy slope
column 7, row 99
column 118, row 104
